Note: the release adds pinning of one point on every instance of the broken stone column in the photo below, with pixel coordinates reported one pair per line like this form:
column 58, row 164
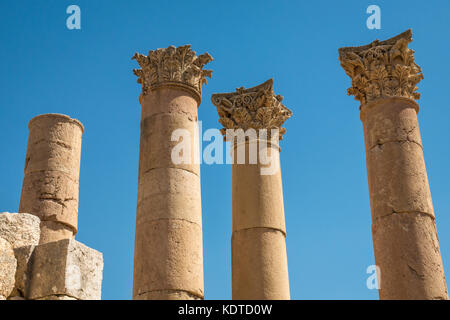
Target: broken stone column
column 52, row 166
column 259, row 259
column 168, row 262
column 384, row 78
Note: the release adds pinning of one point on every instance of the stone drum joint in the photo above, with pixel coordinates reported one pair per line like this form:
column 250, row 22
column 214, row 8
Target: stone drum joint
column 384, row 80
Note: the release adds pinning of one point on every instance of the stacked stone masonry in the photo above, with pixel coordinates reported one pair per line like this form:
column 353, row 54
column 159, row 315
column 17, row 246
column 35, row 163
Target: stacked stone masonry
column 258, row 245
column 384, row 78
column 64, row 269
column 39, row 257
column 52, row 167
column 41, row 260
column 168, row 261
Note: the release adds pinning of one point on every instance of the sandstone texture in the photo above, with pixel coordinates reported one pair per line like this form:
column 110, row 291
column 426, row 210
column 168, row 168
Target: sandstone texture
column 259, row 265
column 258, row 245
column 39, row 258
column 52, row 166
column 24, row 268
column 174, row 259
column 407, row 251
column 19, row 229
column 22, row 231
column 403, row 219
column 167, row 295
column 259, row 258
column 8, row 264
column 58, row 297
column 66, row 268
column 384, row 78
column 168, row 262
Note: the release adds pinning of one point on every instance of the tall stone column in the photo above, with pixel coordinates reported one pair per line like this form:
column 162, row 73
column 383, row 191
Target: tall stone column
column 384, row 78
column 259, row 259
column 52, row 168
column 168, row 261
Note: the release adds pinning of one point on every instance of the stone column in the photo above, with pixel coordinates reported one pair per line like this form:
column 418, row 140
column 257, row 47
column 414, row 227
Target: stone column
column 259, row 259
column 52, row 167
column 168, row 262
column 384, row 78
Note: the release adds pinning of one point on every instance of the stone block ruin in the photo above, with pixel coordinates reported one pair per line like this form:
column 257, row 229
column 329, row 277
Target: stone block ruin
column 39, row 257
column 40, row 260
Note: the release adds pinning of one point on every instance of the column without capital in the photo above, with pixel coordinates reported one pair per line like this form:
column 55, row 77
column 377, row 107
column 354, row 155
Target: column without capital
column 52, row 169
column 384, row 78
column 168, row 261
column 259, row 259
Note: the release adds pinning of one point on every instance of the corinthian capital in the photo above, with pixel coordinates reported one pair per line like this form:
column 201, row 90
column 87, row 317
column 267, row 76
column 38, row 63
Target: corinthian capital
column 382, row 69
column 173, row 66
column 256, row 108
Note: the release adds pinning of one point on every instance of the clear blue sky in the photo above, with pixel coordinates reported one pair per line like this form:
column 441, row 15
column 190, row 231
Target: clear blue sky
column 87, row 74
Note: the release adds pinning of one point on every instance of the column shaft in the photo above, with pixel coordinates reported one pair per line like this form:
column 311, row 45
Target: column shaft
column 252, row 120
column 168, row 258
column 403, row 224
column 168, row 244
column 52, row 167
column 259, row 259
column 384, row 79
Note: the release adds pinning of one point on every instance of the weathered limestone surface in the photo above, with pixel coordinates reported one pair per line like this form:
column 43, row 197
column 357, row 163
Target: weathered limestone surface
column 167, row 295
column 168, row 261
column 162, row 195
column 259, row 259
column 384, row 78
column 38, row 257
column 57, row 297
column 413, row 237
column 19, row 229
column 8, row 266
column 177, row 248
column 259, row 264
column 66, row 268
column 22, row 231
column 23, row 272
column 52, row 165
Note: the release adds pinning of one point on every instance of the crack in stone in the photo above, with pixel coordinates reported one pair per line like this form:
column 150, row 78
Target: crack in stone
column 63, row 206
column 406, row 212
column 67, row 175
column 418, row 275
column 56, row 295
column 380, row 144
column 178, row 112
column 162, row 219
column 189, row 293
column 268, row 228
column 409, row 131
column 147, row 171
column 57, row 200
column 153, row 195
column 57, row 142
column 439, row 298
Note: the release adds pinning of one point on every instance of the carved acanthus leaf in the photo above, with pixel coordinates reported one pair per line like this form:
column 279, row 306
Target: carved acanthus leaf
column 257, row 108
column 172, row 65
column 382, row 69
